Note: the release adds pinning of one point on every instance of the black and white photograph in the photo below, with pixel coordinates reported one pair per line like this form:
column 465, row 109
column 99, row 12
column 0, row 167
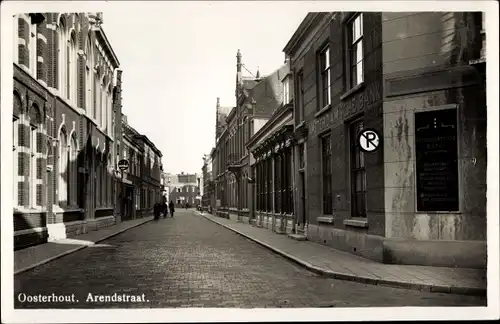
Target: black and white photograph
column 249, row 161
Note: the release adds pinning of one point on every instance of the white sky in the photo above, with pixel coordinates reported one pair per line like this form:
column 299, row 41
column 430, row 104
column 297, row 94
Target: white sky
column 178, row 57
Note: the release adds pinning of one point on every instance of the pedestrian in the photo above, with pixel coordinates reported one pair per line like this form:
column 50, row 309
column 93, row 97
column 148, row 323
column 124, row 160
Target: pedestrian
column 164, row 207
column 171, row 207
column 156, row 211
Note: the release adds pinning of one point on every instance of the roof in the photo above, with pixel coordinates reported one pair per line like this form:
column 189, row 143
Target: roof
column 267, row 93
column 305, row 26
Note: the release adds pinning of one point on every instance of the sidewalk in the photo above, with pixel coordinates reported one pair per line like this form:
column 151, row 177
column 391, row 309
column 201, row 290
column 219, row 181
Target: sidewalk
column 345, row 266
column 34, row 256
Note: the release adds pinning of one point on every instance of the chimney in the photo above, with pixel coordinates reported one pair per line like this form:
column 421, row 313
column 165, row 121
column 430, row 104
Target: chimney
column 218, row 103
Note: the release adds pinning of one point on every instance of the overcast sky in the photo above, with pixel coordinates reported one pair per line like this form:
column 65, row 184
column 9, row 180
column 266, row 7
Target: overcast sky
column 177, row 58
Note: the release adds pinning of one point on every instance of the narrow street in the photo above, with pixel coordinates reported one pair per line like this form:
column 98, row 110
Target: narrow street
column 188, row 261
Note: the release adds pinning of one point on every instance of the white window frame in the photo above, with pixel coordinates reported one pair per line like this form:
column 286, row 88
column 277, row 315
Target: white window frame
column 73, row 68
column 15, row 165
column 286, row 90
column 88, row 79
column 62, row 35
column 356, row 38
column 73, row 176
column 325, row 70
column 63, row 157
column 34, row 156
column 33, row 38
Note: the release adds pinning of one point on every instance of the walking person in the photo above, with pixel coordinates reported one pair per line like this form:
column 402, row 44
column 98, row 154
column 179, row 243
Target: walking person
column 156, row 211
column 171, row 207
column 164, row 208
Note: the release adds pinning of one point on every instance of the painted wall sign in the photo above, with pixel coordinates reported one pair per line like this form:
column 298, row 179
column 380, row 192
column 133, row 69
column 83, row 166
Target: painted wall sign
column 358, row 102
column 368, row 140
column 437, row 160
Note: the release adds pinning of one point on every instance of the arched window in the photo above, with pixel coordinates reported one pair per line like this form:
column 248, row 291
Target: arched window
column 62, row 57
column 63, row 168
column 104, row 105
column 73, row 175
column 35, row 156
column 15, row 137
column 72, row 69
column 96, row 93
column 88, row 76
column 31, row 43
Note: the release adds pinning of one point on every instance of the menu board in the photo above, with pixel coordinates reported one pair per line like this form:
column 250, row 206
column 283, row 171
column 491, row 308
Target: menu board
column 436, row 160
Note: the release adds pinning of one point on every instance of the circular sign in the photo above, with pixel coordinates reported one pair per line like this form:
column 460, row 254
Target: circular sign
column 368, row 140
column 123, row 165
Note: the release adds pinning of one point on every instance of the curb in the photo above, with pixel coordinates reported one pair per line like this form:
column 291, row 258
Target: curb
column 60, row 255
column 366, row 280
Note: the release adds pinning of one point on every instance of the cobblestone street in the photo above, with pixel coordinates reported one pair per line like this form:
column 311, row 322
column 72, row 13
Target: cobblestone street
column 188, row 261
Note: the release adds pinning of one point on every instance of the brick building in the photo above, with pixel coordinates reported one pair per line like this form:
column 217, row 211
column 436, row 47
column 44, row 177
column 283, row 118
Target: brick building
column 182, row 188
column 409, row 77
column 256, row 99
column 208, row 193
column 66, row 84
column 141, row 187
column 272, row 162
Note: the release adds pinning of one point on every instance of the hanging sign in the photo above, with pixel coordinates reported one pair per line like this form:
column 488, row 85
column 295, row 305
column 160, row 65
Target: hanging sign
column 123, row 165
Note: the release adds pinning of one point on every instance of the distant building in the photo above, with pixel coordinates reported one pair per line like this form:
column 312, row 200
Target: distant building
column 142, row 181
column 182, row 188
column 257, row 98
column 207, row 188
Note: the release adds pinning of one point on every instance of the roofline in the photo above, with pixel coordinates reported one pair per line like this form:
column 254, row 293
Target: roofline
column 300, row 31
column 280, row 112
column 305, row 25
column 100, row 32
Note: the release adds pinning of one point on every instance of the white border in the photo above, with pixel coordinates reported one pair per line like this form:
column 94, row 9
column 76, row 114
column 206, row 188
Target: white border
column 236, row 315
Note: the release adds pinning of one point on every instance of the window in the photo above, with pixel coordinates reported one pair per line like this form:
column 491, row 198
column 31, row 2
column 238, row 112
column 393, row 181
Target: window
column 300, row 97
column 286, row 90
column 73, row 65
column 95, row 93
column 324, row 59
column 326, row 173
column 62, row 58
column 358, row 174
column 88, row 77
column 63, row 168
column 356, row 50
column 15, row 154
column 73, row 170
column 32, row 47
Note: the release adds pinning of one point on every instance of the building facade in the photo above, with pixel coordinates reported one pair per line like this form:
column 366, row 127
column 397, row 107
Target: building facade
column 420, row 197
column 141, row 186
column 183, row 188
column 65, row 74
column 256, row 100
column 208, row 193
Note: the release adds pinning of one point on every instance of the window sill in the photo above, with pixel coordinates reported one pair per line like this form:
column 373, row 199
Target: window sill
column 323, row 110
column 22, row 210
column 356, row 222
column 350, row 92
column 325, row 219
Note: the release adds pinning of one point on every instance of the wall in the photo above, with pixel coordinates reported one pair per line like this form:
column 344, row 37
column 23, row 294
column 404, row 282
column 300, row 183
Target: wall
column 425, row 59
column 363, row 236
